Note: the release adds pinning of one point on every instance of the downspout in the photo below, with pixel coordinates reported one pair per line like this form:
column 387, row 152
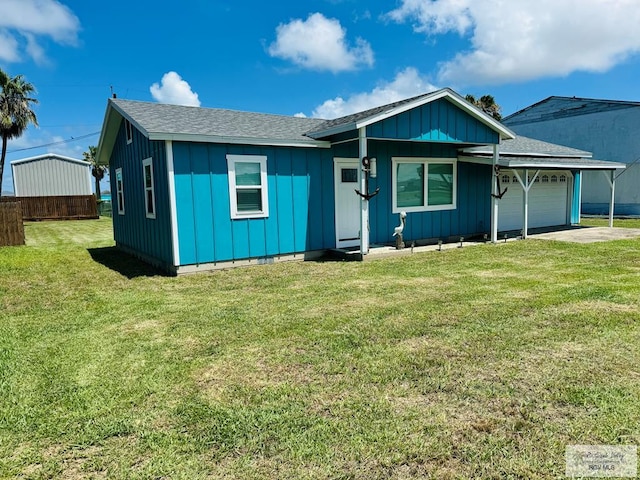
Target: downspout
column 494, row 193
column 364, row 203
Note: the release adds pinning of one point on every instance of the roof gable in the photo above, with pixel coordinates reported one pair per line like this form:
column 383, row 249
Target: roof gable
column 382, row 113
column 437, row 121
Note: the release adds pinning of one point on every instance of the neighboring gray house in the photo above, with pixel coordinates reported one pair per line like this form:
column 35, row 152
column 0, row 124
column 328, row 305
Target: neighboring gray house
column 51, row 175
column 609, row 129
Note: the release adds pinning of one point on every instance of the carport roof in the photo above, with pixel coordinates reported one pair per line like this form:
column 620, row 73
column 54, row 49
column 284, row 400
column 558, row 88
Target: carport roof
column 523, row 152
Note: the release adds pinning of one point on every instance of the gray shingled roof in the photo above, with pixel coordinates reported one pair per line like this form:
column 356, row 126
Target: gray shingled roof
column 161, row 120
column 355, row 117
column 530, row 147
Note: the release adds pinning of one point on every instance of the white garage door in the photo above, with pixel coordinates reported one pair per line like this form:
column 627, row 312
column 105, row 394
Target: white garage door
column 548, row 200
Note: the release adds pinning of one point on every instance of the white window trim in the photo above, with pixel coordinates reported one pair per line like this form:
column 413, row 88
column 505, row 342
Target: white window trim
column 128, row 129
column 120, row 191
column 148, row 162
column 231, row 166
column 425, row 162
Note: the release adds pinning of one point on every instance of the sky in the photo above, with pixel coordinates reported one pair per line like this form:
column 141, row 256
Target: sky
column 320, row 58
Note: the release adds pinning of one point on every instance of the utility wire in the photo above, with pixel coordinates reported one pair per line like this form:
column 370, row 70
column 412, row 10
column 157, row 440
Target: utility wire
column 61, row 142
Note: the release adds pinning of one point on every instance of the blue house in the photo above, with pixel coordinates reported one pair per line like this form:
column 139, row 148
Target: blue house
column 198, row 188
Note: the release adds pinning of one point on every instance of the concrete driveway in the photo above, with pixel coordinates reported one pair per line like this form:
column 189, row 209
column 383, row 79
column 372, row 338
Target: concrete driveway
column 589, row 234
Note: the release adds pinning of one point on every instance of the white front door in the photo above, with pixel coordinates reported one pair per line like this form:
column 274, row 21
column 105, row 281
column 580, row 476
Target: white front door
column 347, row 202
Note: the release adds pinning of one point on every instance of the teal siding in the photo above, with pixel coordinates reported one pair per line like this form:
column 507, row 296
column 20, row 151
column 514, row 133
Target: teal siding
column 148, row 237
column 575, row 200
column 471, row 217
column 439, row 121
column 301, row 214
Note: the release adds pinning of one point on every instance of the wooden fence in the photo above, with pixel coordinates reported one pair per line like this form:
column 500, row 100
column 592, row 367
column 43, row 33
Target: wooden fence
column 57, row 208
column 11, row 227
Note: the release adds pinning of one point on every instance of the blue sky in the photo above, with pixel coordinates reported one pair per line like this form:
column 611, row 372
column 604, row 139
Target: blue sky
column 321, row 58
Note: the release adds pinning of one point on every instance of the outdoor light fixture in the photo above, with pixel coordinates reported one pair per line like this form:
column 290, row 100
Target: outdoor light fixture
column 505, row 238
column 461, row 240
column 486, row 237
column 373, row 167
column 439, row 245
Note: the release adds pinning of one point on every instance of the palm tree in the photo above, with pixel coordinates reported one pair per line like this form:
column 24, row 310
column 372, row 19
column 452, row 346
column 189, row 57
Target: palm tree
column 15, row 110
column 97, row 170
column 487, row 104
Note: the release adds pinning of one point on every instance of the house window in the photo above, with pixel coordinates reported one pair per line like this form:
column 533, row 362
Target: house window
column 554, row 179
column 514, row 179
column 128, row 130
column 563, row 178
column 149, row 192
column 248, row 186
column 505, row 178
column 545, row 179
column 119, row 191
column 421, row 184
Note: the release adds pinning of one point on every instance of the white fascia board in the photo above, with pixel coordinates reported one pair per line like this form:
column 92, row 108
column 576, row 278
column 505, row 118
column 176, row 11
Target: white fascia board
column 530, row 154
column 184, row 137
column 562, row 165
column 507, row 163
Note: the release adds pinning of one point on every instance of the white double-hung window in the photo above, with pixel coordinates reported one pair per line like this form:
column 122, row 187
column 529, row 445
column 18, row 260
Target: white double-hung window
column 119, row 191
column 149, row 190
column 248, row 193
column 423, row 184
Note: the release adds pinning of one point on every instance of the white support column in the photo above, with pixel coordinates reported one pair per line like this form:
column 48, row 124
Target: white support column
column 494, row 192
column 611, row 178
column 526, row 186
column 364, row 204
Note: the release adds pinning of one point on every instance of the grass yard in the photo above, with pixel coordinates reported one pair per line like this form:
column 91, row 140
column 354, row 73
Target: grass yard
column 482, row 362
column 604, row 222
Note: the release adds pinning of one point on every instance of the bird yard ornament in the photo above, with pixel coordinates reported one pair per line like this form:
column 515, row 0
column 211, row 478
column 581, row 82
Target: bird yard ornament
column 397, row 232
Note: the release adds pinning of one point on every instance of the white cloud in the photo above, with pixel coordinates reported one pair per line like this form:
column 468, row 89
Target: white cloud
column 406, row 84
column 319, row 43
column 528, row 39
column 174, row 90
column 23, row 21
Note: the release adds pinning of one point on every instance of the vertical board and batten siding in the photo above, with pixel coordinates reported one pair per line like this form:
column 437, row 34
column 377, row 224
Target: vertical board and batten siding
column 133, row 230
column 300, row 196
column 51, row 176
column 438, row 121
column 471, row 216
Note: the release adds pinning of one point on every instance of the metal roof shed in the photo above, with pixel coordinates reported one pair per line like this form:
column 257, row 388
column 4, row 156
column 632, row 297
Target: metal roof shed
column 51, row 175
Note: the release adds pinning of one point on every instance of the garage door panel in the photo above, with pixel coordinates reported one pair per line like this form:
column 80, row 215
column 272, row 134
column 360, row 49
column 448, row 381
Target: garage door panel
column 548, row 202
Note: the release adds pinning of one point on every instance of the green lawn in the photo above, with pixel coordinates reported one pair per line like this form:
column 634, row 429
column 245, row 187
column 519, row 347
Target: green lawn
column 617, row 222
column 481, row 362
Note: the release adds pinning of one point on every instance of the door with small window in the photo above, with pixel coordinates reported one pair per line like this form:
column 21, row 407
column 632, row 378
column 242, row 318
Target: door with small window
column 347, row 205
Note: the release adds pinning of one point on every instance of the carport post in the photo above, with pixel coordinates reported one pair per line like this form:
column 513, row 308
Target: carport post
column 526, row 186
column 494, row 200
column 612, row 184
column 525, row 206
column 364, row 203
